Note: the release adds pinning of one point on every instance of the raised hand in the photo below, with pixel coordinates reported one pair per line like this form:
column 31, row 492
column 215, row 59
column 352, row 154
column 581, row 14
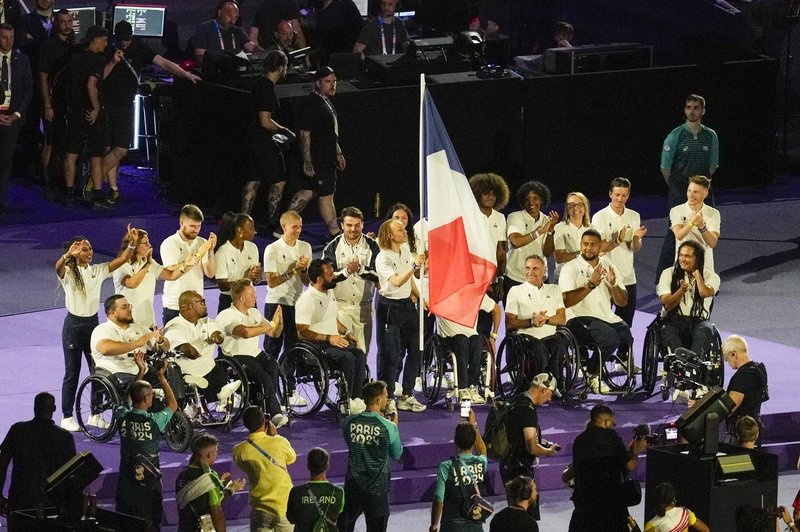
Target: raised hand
column 640, row 232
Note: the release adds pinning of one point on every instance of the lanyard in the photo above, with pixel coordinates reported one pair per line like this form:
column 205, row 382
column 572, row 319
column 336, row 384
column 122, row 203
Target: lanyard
column 219, row 36
column 333, row 114
column 383, row 36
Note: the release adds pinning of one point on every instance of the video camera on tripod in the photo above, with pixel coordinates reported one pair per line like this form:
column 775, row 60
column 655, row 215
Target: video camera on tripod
column 688, row 371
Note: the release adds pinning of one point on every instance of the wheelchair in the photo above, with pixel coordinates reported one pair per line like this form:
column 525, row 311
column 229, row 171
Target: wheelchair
column 679, row 372
column 515, row 367
column 310, row 374
column 211, row 413
column 101, row 393
column 439, row 364
column 617, row 372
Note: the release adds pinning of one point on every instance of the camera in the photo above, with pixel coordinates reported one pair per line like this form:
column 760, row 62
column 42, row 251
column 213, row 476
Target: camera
column 687, row 370
column 642, row 432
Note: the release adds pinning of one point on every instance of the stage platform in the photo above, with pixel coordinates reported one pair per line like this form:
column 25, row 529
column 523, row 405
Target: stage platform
column 427, row 437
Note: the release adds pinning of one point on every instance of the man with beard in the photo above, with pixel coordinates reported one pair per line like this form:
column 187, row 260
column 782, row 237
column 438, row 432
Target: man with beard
column 196, row 337
column 315, row 316
column 176, row 249
column 589, row 283
column 269, row 18
column 690, row 149
column 353, row 254
column 221, row 34
column 383, row 34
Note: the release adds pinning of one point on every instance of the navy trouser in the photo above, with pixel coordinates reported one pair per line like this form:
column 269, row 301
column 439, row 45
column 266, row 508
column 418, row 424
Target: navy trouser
column 398, row 331
column 607, row 337
column 76, row 336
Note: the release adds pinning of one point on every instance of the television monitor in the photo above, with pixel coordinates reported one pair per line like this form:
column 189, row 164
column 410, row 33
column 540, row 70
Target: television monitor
column 692, row 424
column 296, row 57
column 146, row 20
column 406, row 16
column 83, row 18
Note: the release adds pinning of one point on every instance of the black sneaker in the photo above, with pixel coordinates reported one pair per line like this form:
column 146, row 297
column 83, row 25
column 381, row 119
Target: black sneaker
column 88, row 191
column 102, row 204
column 113, row 198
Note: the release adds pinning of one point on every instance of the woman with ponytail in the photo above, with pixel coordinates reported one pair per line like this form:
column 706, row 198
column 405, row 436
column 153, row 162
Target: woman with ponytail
column 672, row 518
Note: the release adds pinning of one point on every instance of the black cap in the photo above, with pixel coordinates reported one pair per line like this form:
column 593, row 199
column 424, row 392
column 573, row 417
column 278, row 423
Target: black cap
column 94, row 32
column 323, row 72
column 123, row 30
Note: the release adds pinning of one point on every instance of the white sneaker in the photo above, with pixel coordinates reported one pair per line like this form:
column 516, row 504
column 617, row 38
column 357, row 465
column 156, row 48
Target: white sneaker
column 391, row 406
column 227, row 391
column 446, row 383
column 398, row 389
column 96, row 420
column 596, row 386
column 356, row 406
column 464, row 395
column 417, row 384
column 279, row 420
column 190, row 410
column 296, row 400
column 680, row 396
column 477, row 398
column 410, row 403
column 69, row 423
column 222, row 406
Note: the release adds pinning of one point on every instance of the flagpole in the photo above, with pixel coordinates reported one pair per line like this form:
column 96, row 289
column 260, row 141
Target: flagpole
column 423, row 216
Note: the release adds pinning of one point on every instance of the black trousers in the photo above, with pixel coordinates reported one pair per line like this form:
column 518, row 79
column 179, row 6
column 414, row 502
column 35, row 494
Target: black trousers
column 8, row 141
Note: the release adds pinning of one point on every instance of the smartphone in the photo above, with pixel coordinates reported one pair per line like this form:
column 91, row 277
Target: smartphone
column 466, row 406
column 671, row 434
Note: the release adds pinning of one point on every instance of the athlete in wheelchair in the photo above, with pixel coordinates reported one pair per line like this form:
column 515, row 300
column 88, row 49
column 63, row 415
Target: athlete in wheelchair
column 243, row 326
column 682, row 334
column 326, row 351
column 464, row 354
column 533, row 342
column 589, row 284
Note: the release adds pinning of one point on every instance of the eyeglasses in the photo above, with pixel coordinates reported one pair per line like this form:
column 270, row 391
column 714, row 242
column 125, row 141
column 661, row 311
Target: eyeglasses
column 126, row 307
column 574, row 205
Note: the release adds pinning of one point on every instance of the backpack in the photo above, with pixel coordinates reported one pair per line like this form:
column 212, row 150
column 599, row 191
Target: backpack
column 496, row 437
column 761, row 369
column 323, row 523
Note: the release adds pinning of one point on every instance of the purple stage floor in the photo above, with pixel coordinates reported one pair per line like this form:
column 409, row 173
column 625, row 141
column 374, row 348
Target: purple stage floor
column 33, row 363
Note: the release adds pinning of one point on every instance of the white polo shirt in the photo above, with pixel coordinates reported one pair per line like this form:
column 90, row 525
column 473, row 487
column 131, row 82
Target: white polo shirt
column 173, row 251
column 228, row 320
column 526, row 300
column 233, row 263
column 143, row 296
column 523, row 223
column 711, row 279
column 608, row 223
column 448, row 329
column 181, row 331
column 597, row 304
column 389, row 263
column 111, row 331
column 317, row 310
column 682, row 215
column 496, row 223
column 568, row 238
column 278, row 258
column 87, row 303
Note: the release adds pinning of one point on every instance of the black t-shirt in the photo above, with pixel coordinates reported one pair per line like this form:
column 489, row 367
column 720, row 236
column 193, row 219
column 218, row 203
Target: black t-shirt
column 395, row 37
column 120, row 86
column 269, row 14
column 338, row 27
column 210, row 36
column 599, row 457
column 513, row 519
column 523, row 414
column 301, row 509
column 748, row 381
column 37, row 449
column 264, row 99
column 81, row 66
column 53, row 61
column 317, row 117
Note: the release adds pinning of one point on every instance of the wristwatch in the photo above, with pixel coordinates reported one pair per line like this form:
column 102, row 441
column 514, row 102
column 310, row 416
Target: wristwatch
column 591, row 285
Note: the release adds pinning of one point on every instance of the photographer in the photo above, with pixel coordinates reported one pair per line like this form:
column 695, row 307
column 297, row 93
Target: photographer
column 747, row 387
column 600, row 464
column 448, row 498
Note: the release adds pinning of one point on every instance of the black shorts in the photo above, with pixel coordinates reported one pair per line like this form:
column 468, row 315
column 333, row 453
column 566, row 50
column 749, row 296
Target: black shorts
column 120, row 121
column 78, row 130
column 265, row 162
column 323, row 182
column 55, row 132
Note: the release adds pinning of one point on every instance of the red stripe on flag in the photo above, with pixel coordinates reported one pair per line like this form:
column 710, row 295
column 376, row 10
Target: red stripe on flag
column 458, row 278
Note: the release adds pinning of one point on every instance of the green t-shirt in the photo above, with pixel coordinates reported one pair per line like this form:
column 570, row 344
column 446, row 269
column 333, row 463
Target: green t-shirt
column 302, row 511
column 686, row 155
column 371, row 440
column 201, row 505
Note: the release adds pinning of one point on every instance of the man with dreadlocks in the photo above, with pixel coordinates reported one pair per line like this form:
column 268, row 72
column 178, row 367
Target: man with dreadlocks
column 491, row 193
column 82, row 281
column 686, row 291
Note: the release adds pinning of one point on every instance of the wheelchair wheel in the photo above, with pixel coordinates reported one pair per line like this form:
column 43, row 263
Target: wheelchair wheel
column 96, row 401
column 307, row 374
column 618, row 372
column 238, row 401
column 718, row 361
column 650, row 353
column 568, row 369
column 178, row 434
column 486, row 384
column 432, row 370
column 510, row 378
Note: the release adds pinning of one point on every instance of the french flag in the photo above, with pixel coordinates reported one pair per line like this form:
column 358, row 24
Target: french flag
column 462, row 261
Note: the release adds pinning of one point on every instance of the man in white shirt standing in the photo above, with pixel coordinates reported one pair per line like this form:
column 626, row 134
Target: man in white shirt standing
column 622, row 234
column 317, row 322
column 176, row 249
column 694, row 220
column 589, row 283
column 535, row 308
